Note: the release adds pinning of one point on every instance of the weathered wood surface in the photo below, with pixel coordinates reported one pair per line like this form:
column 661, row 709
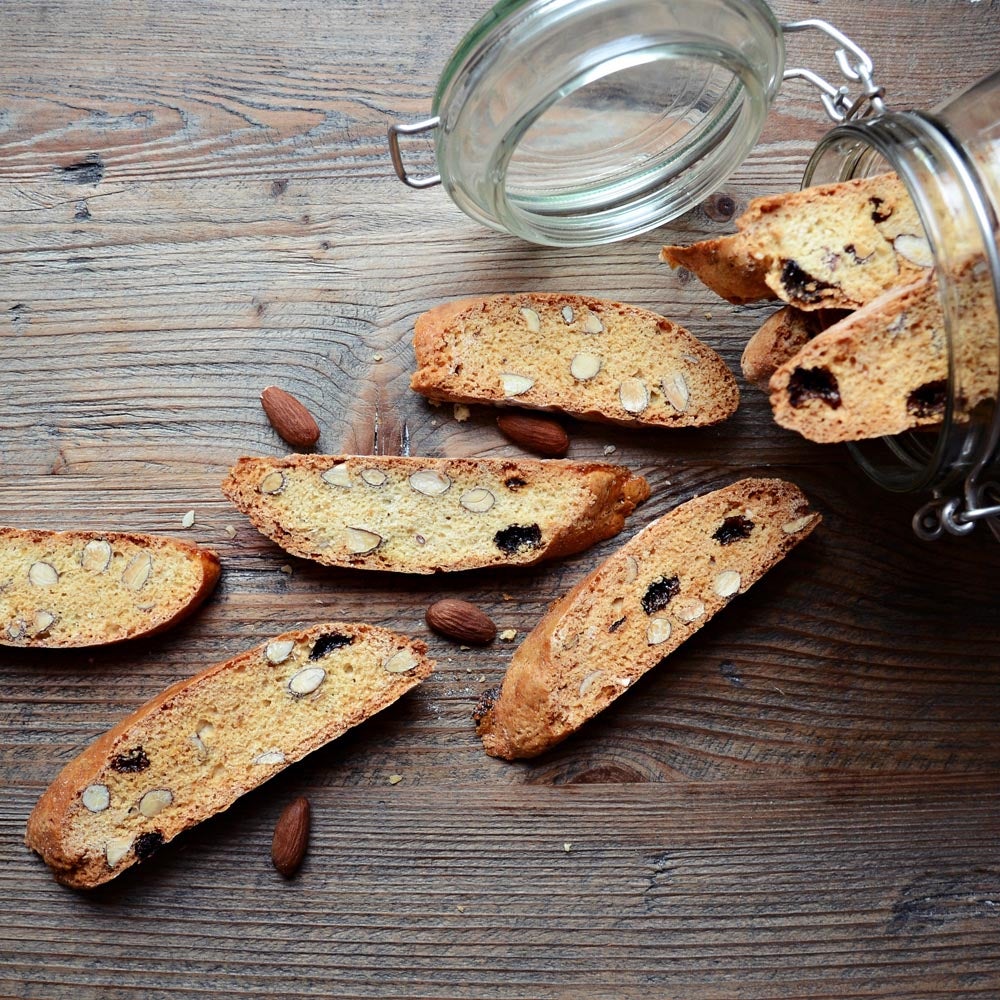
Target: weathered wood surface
column 197, row 202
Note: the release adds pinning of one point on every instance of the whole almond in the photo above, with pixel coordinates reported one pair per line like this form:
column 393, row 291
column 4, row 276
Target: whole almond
column 289, row 417
column 461, row 621
column 291, row 837
column 541, row 435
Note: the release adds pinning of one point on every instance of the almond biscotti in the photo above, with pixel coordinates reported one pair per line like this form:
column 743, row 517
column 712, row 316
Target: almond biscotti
column 82, row 588
column 432, row 515
column 592, row 358
column 193, row 750
column 833, row 246
column 884, row 369
column 780, row 337
column 636, row 608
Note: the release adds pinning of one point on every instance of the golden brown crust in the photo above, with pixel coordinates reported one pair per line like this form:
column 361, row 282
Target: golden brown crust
column 601, row 637
column 572, row 504
column 779, row 338
column 168, row 613
column 49, row 830
column 725, row 265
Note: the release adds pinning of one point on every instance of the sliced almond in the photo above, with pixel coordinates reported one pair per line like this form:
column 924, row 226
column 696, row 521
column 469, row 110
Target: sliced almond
column 337, row 476
column 374, row 477
column 691, row 359
column 915, row 249
column 43, row 621
column 478, row 500
column 400, row 662
column 515, row 385
column 592, row 323
column 17, row 629
column 567, row 314
column 187, row 521
column 430, row 482
column 361, row 541
column 155, row 801
column 96, row 555
column 272, row 483
column 269, row 757
column 115, row 849
column 279, row 650
column 634, row 395
column 689, row 609
column 137, row 571
column 631, row 569
column 791, row 527
column 676, row 392
column 590, row 680
column 306, row 681
column 585, row 366
column 96, row 798
column 658, row 631
column 531, row 320
column 727, row 583
column 43, row 574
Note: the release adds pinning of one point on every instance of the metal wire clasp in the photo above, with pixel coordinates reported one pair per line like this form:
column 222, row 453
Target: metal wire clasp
column 854, row 63
column 411, row 128
column 958, row 515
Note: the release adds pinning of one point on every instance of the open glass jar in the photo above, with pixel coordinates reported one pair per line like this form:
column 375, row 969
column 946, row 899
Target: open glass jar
column 581, row 122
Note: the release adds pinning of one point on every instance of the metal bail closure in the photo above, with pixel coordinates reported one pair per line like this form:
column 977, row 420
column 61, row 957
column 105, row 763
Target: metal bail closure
column 411, row 128
column 855, row 64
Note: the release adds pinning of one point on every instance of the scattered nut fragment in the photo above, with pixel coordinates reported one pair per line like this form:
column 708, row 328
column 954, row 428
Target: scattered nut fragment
column 430, row 482
column 96, row 798
column 676, row 392
column 461, row 413
column 915, row 249
column 269, row 757
column 293, row 422
column 567, row 846
column 791, row 527
column 727, row 583
column 306, row 681
column 337, row 476
column 658, row 631
column 400, row 662
column 374, row 477
column 137, row 571
column 631, row 569
column 508, row 635
column 273, row 483
column 634, row 395
column 585, row 366
column 590, row 680
column 285, row 568
column 531, row 319
column 567, row 314
column 461, row 621
column 542, row 435
column 361, row 541
column 42, row 622
column 115, row 849
column 187, row 521
column 609, row 449
column 478, row 500
column 394, row 779
column 291, row 837
column 42, row 574
column 592, row 324
column 515, row 385
column 96, row 555
column 155, row 801
column 279, row 650
column 689, row 609
column 230, row 531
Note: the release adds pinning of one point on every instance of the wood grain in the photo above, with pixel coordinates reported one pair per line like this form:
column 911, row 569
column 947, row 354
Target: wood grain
column 196, row 202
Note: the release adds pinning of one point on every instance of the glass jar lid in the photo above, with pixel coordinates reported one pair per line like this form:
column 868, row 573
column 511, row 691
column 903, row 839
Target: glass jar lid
column 579, row 122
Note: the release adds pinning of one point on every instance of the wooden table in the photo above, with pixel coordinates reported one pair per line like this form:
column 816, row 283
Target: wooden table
column 197, row 202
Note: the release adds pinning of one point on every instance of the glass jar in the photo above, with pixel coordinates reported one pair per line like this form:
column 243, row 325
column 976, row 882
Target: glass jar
column 581, row 122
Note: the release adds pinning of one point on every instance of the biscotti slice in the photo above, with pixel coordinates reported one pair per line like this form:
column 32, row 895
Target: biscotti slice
column 636, row 608
column 781, row 337
column 592, row 358
column 82, row 588
column 193, row 750
column 884, row 369
column 432, row 515
column 833, row 246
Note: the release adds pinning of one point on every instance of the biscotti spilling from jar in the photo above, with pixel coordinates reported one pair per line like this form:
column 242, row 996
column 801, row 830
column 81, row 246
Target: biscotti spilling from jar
column 636, row 608
column 79, row 588
column 201, row 744
column 592, row 358
column 430, row 515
